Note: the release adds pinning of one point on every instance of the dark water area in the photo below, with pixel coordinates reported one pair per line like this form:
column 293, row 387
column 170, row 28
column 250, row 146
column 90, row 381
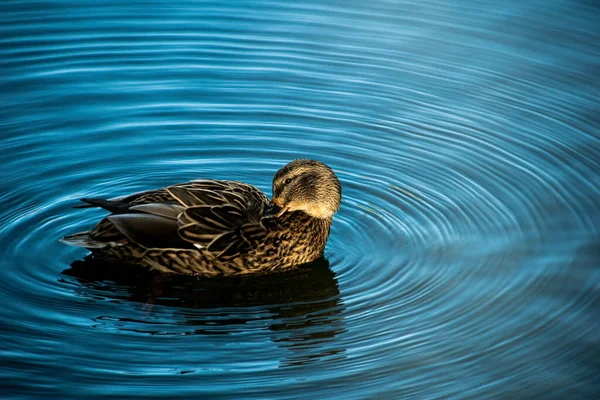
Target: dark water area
column 464, row 261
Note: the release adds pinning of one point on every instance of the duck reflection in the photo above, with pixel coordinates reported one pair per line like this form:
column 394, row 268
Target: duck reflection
column 302, row 308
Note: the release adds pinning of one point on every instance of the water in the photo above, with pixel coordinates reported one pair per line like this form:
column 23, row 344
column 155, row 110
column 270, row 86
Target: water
column 464, row 262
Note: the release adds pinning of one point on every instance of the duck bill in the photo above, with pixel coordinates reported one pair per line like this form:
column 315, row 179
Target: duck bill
column 282, row 211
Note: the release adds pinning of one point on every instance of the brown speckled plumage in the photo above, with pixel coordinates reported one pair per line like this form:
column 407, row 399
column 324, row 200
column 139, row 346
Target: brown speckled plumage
column 219, row 228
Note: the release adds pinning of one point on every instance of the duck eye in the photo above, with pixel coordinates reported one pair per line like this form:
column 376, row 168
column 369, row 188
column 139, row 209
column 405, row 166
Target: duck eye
column 288, row 180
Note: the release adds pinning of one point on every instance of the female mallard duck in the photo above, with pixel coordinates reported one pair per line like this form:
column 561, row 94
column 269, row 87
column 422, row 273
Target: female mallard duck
column 211, row 228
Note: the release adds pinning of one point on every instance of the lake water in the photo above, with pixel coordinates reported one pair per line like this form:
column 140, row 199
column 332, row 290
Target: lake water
column 464, row 262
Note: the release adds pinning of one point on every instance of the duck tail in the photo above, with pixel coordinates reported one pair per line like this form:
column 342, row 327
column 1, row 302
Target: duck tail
column 113, row 206
column 82, row 239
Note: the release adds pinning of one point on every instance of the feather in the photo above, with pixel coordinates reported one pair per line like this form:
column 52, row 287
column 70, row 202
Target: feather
column 184, row 196
column 168, row 210
column 149, row 231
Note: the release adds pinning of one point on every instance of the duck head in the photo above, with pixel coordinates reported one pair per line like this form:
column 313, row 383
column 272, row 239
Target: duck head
column 309, row 186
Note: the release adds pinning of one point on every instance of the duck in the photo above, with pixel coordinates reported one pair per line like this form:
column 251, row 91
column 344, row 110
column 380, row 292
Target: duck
column 213, row 228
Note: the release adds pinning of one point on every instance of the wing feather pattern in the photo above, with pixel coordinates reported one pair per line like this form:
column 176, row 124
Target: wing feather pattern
column 222, row 216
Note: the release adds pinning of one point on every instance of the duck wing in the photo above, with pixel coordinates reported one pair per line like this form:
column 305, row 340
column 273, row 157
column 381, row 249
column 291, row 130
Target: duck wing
column 223, row 217
column 145, row 197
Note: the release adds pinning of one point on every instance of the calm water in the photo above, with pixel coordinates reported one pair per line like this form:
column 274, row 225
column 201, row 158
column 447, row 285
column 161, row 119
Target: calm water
column 465, row 260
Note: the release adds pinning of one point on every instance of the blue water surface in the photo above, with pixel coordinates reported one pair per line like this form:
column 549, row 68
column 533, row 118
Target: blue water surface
column 464, row 262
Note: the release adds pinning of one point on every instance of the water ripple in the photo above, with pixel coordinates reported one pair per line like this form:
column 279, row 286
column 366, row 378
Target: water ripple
column 461, row 264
